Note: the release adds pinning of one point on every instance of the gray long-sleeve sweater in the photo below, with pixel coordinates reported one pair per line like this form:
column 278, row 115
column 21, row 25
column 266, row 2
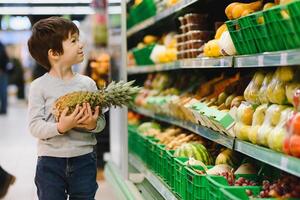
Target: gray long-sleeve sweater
column 43, row 93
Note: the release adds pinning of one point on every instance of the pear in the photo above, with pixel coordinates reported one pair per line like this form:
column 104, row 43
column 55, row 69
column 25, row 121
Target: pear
column 263, row 134
column 245, row 113
column 259, row 114
column 275, row 113
column 242, row 131
column 259, row 78
column 278, row 134
column 285, row 73
column 229, row 100
column 262, row 96
column 222, row 98
column 276, row 91
column 253, row 132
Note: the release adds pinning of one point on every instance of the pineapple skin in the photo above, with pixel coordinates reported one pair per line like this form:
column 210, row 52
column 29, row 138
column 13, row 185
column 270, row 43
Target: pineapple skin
column 115, row 94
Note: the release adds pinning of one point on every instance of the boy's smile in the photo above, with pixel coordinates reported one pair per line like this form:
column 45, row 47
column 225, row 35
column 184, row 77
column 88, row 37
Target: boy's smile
column 73, row 50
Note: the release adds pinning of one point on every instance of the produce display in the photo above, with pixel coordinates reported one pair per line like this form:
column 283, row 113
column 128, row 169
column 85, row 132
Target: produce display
column 243, row 108
column 115, row 94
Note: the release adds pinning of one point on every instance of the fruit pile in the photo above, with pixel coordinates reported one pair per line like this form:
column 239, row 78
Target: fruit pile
column 292, row 140
column 269, row 98
column 164, row 49
column 283, row 188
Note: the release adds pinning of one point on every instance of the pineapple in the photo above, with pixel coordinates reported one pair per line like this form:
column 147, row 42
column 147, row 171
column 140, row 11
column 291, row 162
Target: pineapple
column 115, row 94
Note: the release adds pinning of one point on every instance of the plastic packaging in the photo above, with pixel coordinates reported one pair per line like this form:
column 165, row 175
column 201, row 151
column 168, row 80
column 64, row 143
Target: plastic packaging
column 278, row 134
column 194, row 18
column 200, row 35
column 251, row 92
column 244, row 115
column 262, row 95
column 271, row 120
column 257, row 121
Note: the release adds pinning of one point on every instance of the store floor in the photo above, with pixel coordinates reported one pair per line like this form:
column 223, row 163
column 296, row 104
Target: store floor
column 18, row 155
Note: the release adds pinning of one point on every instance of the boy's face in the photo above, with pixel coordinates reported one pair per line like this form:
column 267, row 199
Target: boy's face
column 73, row 50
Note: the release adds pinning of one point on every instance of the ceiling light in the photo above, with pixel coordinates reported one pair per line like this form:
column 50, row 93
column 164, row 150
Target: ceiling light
column 47, row 10
column 44, row 1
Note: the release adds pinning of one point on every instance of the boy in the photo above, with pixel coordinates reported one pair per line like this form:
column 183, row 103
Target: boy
column 66, row 163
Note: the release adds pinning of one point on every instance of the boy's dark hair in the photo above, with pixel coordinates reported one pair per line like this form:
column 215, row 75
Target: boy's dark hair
column 49, row 34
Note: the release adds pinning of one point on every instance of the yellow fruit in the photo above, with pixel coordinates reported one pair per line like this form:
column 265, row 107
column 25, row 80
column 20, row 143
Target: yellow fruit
column 283, row 2
column 275, row 111
column 238, row 9
column 268, row 5
column 259, row 114
column 285, row 73
column 245, row 113
column 252, row 135
column 148, row 39
column 137, row 2
column 220, row 30
column 140, row 45
column 247, row 12
column 212, row 49
column 259, row 78
column 262, row 96
column 229, row 8
column 241, row 131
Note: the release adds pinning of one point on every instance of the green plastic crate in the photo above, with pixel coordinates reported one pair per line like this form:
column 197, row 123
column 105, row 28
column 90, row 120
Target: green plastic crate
column 215, row 183
column 261, row 35
column 161, row 154
column 170, row 168
column 148, row 151
column 142, row 56
column 248, row 36
column 197, row 185
column 294, row 11
column 241, row 43
column 152, row 155
column 146, row 7
column 281, row 27
column 180, row 177
column 237, row 193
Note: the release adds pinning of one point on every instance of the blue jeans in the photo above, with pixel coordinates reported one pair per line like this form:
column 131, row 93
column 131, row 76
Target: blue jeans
column 3, row 93
column 57, row 178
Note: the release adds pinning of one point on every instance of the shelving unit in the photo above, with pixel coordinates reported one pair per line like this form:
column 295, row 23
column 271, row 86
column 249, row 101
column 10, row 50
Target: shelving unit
column 197, row 63
column 156, row 182
column 271, row 59
column 276, row 159
column 155, row 19
column 200, row 130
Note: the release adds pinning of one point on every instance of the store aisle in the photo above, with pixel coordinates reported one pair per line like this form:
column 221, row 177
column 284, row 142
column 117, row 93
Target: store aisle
column 18, row 155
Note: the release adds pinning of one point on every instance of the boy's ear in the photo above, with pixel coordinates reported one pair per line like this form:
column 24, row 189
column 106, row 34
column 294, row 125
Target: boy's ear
column 53, row 54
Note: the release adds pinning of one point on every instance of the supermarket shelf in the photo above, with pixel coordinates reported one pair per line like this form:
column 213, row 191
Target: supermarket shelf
column 151, row 21
column 278, row 160
column 269, row 59
column 156, row 182
column 197, row 63
column 198, row 129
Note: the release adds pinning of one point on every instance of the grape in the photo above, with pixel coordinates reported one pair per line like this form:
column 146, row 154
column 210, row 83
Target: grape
column 249, row 192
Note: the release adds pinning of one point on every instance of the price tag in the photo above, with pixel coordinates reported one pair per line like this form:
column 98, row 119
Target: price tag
column 260, row 60
column 239, row 62
column 283, row 59
column 284, row 163
column 222, row 63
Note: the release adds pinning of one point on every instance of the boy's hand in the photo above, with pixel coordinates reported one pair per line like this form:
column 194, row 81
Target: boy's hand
column 89, row 120
column 66, row 123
